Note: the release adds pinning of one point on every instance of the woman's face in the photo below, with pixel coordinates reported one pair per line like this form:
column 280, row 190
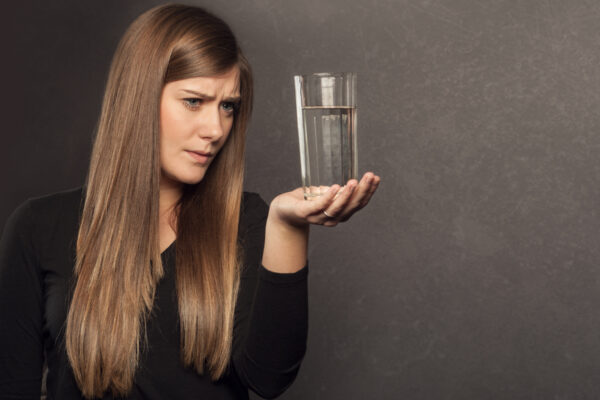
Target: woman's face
column 196, row 116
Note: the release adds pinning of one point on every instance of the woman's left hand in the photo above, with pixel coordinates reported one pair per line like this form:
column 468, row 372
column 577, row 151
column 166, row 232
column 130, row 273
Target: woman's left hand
column 328, row 209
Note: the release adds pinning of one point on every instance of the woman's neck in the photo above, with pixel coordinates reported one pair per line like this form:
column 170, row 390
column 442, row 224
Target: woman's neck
column 168, row 197
column 169, row 194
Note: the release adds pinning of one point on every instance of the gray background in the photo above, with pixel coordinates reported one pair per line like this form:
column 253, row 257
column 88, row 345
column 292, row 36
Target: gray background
column 473, row 274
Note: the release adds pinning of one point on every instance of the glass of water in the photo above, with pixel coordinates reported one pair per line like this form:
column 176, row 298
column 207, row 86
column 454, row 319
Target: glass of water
column 326, row 112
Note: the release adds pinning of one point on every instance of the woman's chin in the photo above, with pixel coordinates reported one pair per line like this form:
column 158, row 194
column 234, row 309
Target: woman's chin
column 191, row 180
column 185, row 179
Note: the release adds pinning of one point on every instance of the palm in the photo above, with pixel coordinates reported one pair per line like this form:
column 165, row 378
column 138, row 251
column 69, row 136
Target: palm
column 328, row 209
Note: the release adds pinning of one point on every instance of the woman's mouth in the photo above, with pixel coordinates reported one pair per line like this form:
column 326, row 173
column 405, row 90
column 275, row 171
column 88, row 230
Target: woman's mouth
column 199, row 156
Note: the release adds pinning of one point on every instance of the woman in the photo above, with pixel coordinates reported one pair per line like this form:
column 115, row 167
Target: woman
column 160, row 278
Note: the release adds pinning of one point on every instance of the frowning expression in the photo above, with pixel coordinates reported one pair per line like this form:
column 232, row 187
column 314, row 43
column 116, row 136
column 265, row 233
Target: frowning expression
column 196, row 116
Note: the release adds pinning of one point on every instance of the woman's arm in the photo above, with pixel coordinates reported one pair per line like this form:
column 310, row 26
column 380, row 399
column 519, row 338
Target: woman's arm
column 271, row 315
column 272, row 332
column 286, row 237
column 271, row 324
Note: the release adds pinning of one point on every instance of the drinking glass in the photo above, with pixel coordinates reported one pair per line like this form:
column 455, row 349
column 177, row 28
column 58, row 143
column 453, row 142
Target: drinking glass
column 326, row 112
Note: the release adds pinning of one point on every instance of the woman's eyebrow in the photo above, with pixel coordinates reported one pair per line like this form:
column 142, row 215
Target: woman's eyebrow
column 232, row 99
column 199, row 94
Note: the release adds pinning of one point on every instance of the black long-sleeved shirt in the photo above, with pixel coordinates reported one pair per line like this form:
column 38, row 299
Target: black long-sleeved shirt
column 37, row 253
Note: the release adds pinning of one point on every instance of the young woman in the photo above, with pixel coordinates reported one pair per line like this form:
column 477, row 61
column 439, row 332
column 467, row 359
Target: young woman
column 161, row 278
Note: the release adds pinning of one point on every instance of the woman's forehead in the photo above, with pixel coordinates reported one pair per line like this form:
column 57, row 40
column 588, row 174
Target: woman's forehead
column 222, row 85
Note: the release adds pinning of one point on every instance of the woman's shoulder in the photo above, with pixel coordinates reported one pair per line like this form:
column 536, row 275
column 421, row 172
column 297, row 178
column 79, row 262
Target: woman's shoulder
column 47, row 212
column 58, row 204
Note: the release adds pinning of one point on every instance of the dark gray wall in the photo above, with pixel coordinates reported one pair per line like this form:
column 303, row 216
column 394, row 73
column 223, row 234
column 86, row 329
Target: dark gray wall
column 474, row 272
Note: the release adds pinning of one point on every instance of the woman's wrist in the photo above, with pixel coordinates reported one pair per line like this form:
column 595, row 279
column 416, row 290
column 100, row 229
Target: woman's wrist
column 285, row 244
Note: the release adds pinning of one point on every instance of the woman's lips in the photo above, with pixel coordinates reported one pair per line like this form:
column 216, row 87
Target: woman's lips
column 199, row 157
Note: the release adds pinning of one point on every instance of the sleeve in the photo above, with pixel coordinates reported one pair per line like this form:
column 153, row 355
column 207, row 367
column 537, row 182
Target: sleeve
column 271, row 324
column 21, row 315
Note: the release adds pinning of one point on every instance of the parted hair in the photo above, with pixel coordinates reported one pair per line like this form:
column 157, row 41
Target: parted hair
column 118, row 263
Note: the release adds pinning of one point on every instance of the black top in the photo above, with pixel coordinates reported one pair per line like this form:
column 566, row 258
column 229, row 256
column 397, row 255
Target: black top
column 37, row 253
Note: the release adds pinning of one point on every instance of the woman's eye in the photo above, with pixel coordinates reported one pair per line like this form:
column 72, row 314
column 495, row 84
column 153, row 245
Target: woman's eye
column 192, row 103
column 228, row 106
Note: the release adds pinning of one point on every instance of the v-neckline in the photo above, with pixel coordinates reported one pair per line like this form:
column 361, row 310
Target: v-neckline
column 164, row 252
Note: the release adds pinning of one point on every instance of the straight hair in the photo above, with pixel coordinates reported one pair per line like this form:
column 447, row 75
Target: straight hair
column 118, row 262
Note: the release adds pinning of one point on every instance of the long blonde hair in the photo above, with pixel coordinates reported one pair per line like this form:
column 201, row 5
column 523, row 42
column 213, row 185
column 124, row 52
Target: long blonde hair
column 118, row 261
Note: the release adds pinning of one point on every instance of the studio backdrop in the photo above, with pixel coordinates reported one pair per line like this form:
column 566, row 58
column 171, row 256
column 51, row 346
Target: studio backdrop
column 474, row 272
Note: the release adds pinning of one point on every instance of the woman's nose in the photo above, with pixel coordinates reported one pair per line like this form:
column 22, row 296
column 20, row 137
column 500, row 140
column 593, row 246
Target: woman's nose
column 211, row 126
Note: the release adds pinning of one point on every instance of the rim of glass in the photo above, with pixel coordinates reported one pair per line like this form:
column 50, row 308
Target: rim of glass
column 323, row 74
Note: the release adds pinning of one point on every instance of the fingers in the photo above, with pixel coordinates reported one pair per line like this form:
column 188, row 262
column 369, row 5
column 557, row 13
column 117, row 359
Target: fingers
column 314, row 213
column 365, row 190
column 373, row 184
column 338, row 205
column 333, row 210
